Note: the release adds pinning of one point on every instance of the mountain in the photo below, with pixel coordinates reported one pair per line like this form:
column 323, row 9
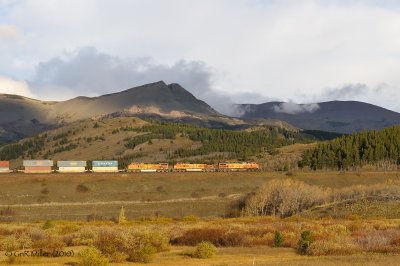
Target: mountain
column 21, row 117
column 333, row 116
column 158, row 98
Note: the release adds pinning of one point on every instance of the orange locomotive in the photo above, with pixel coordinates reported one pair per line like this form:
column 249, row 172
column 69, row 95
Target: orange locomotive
column 148, row 167
column 193, row 167
column 238, row 167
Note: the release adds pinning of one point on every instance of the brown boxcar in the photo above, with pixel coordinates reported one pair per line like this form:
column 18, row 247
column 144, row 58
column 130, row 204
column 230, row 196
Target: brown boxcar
column 4, row 164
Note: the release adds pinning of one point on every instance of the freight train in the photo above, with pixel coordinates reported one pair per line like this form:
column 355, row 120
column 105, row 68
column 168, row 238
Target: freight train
column 47, row 166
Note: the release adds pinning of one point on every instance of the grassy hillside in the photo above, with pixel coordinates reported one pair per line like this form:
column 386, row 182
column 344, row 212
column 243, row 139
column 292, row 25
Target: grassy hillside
column 132, row 139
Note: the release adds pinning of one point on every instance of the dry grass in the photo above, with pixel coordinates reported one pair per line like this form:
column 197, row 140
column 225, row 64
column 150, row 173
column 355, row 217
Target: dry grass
column 168, row 194
column 371, row 242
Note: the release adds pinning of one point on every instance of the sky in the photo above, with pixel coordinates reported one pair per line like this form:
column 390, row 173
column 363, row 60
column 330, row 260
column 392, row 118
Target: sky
column 222, row 51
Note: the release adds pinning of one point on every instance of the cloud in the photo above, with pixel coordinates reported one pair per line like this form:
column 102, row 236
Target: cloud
column 87, row 71
column 347, row 92
column 384, row 95
column 274, row 48
column 293, row 108
column 10, row 86
column 9, row 32
column 92, row 73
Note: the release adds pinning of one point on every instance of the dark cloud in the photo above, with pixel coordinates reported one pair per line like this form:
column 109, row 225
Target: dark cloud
column 89, row 72
column 349, row 91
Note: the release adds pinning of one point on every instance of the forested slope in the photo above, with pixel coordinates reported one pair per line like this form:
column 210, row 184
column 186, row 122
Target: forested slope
column 356, row 150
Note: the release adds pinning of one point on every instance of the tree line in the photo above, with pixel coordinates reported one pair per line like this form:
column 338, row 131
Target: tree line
column 243, row 144
column 355, row 150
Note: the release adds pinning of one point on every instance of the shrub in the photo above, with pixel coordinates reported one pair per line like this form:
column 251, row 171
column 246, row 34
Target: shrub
column 195, row 236
column 122, row 218
column 284, row 198
column 9, row 243
column 86, row 237
column 278, row 239
column 190, row 218
column 50, row 241
column 216, row 236
column 143, row 254
column 155, row 239
column 91, row 257
column 36, row 234
column 136, row 244
column 108, row 241
column 82, row 188
column 338, row 229
column 47, row 225
column 304, row 242
column 332, row 247
column 25, row 241
column 204, row 250
column 118, row 257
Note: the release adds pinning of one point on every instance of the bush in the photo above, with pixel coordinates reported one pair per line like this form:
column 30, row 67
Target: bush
column 216, row 236
column 143, row 254
column 85, row 237
column 204, row 250
column 190, row 218
column 9, row 243
column 332, row 247
column 47, row 225
column 108, row 241
column 118, row 257
column 82, row 188
column 50, row 241
column 138, row 245
column 91, row 257
column 304, row 242
column 195, row 236
column 284, row 198
column 278, row 239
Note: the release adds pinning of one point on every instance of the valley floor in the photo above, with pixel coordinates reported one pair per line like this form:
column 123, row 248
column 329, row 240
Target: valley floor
column 33, row 197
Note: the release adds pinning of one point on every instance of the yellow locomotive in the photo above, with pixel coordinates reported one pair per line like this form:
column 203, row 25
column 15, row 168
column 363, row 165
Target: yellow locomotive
column 238, row 167
column 193, row 167
column 148, row 167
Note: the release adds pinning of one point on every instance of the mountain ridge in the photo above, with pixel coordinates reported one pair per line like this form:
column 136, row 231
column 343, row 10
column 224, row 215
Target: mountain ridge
column 23, row 117
column 332, row 116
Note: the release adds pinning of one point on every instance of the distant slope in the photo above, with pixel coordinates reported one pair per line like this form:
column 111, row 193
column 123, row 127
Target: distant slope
column 133, row 139
column 334, row 116
column 21, row 116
